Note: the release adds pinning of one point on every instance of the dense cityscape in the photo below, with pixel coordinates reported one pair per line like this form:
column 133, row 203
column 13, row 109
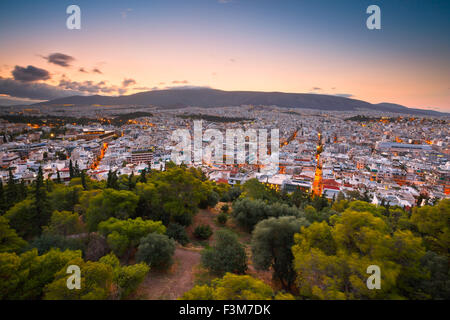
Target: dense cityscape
column 397, row 159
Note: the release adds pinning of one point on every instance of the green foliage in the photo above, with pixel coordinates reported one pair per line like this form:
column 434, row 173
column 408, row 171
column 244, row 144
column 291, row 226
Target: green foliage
column 272, row 240
column 225, row 208
column 96, row 282
column 64, row 198
column 9, row 240
column 46, row 241
column 177, row 232
column 110, row 203
column 233, row 287
column 23, row 218
column 222, row 218
column 203, row 232
column 227, row 254
column 126, row 278
column 25, row 276
column 433, row 222
column 156, row 250
column 64, row 223
column 125, row 234
column 331, row 261
column 249, row 212
column 173, row 195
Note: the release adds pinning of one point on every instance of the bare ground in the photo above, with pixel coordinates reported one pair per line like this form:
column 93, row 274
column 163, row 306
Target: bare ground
column 172, row 284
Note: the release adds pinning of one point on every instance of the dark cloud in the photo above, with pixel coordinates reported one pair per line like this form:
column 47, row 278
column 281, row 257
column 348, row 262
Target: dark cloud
column 96, row 70
column 180, row 82
column 90, row 87
column 344, row 95
column 36, row 91
column 128, row 82
column 82, row 70
column 316, row 89
column 30, row 74
column 59, row 59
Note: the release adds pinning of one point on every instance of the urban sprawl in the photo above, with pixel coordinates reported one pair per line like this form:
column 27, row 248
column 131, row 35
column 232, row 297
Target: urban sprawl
column 390, row 158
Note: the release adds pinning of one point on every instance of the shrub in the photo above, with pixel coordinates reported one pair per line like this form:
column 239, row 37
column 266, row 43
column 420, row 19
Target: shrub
column 156, row 250
column 178, row 233
column 203, row 232
column 227, row 254
column 225, row 208
column 222, row 218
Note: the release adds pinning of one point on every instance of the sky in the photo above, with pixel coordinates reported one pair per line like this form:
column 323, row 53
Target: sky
column 310, row 46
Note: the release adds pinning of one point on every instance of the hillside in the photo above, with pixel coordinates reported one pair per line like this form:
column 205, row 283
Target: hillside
column 203, row 97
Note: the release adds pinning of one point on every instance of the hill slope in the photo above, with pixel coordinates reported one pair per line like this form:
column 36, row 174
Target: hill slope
column 203, row 97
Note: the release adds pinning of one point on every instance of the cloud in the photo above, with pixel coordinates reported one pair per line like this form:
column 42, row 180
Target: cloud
column 90, row 87
column 180, row 82
column 59, row 59
column 36, row 91
column 232, row 60
column 30, row 74
column 128, row 82
column 187, row 87
column 6, row 100
column 316, row 89
column 143, row 88
column 224, row 1
column 344, row 95
column 162, row 83
column 82, row 70
column 97, row 70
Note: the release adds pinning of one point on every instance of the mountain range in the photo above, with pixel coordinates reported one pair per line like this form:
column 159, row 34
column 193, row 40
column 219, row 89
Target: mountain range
column 205, row 97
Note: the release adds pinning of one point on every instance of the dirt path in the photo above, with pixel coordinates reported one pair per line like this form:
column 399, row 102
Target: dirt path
column 172, row 284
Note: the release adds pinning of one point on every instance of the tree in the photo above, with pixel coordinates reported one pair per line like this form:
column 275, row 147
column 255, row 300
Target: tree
column 227, row 254
column 110, row 203
column 9, row 240
column 433, row 222
column 64, row 223
column 249, row 212
column 142, row 177
column 234, row 287
column 126, row 278
column 156, row 250
column 203, row 232
column 271, row 244
column 43, row 211
column 123, row 235
column 58, row 177
column 83, row 179
column 178, row 233
column 30, row 272
column 131, row 181
column 331, row 261
column 11, row 189
column 3, row 203
column 96, row 282
column 24, row 219
column 71, row 171
column 65, row 198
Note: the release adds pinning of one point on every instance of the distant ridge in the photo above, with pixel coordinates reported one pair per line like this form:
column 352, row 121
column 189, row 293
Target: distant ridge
column 205, row 97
